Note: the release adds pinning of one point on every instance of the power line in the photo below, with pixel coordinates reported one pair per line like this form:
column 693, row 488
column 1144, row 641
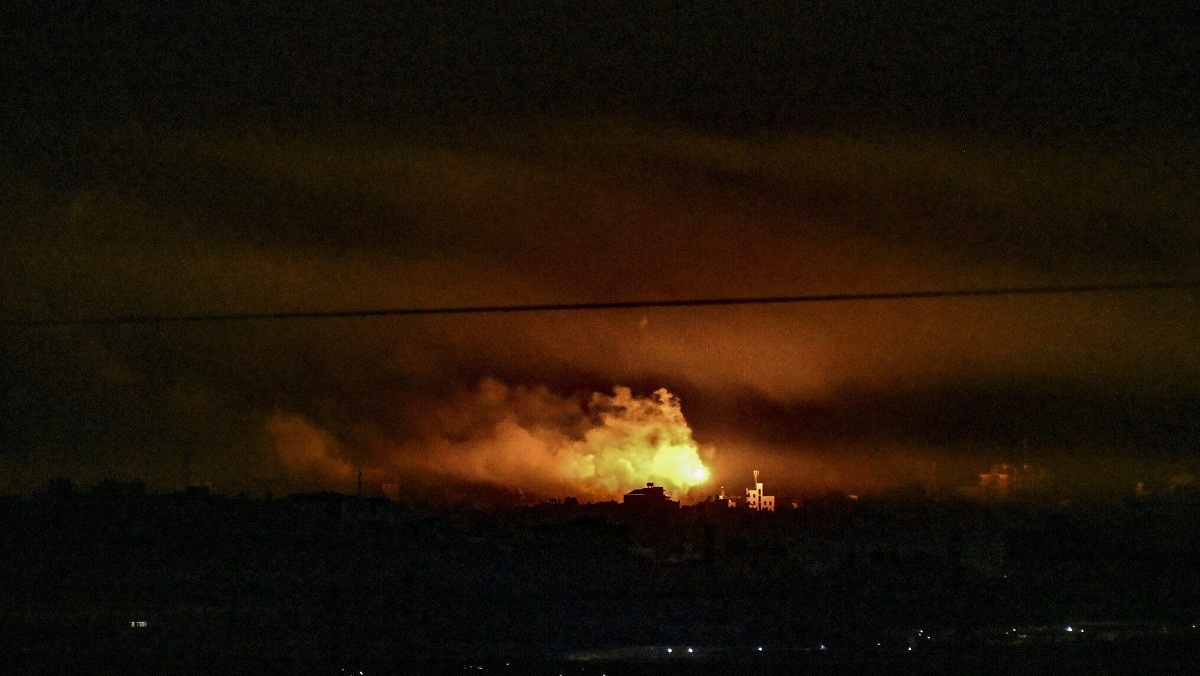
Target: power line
column 130, row 319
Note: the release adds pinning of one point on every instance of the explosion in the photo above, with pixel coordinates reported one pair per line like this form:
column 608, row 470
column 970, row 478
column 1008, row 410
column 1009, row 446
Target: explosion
column 538, row 442
column 526, row 439
column 636, row 440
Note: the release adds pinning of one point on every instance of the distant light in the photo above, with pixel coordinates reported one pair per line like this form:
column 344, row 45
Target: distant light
column 910, row 648
column 670, row 650
column 760, row 647
column 822, row 646
column 1069, row 628
column 920, row 631
column 689, row 650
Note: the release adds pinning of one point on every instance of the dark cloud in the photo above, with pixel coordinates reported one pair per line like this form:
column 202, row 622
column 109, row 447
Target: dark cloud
column 1046, row 70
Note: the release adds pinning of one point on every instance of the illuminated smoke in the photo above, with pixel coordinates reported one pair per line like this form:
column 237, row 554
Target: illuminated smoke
column 525, row 439
column 541, row 443
column 310, row 456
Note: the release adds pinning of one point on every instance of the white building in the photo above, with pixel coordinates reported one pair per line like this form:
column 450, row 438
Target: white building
column 756, row 500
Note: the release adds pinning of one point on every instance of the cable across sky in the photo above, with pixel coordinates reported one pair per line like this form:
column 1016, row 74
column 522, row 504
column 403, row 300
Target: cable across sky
column 132, row 319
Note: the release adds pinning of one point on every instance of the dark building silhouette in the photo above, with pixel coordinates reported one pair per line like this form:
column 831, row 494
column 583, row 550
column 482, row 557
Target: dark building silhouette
column 650, row 497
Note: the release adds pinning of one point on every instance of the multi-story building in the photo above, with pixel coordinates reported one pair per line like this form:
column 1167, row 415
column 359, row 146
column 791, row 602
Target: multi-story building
column 756, row 500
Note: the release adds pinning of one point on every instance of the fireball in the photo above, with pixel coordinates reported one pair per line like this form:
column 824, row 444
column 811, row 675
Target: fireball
column 535, row 441
column 635, row 440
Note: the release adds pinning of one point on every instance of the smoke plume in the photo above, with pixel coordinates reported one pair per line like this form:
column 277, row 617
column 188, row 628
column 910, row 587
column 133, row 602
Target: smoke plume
column 535, row 440
column 525, row 439
column 310, row 456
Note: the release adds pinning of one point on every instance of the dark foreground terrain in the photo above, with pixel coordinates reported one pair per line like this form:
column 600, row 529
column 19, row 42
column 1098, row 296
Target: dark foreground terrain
column 119, row 580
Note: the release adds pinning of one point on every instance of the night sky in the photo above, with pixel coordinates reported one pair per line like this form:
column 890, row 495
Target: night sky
column 179, row 158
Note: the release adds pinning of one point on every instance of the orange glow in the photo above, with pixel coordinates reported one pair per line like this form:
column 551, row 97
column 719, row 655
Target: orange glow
column 636, row 440
column 596, row 449
column 527, row 439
